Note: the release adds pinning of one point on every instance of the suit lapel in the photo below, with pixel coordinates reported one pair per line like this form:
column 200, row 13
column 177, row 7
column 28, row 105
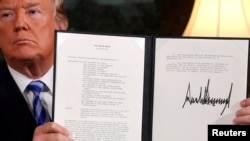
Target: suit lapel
column 15, row 113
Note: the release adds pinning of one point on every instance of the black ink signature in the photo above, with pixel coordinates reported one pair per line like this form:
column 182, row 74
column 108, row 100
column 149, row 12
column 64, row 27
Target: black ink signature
column 206, row 99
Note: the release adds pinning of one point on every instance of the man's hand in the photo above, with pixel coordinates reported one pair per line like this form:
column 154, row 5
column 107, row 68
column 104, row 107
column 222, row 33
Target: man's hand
column 243, row 114
column 51, row 131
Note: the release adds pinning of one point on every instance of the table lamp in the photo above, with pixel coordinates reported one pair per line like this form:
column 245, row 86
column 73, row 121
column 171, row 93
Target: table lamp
column 219, row 18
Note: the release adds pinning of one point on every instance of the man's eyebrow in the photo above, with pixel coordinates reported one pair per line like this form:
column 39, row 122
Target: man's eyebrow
column 28, row 5
column 6, row 7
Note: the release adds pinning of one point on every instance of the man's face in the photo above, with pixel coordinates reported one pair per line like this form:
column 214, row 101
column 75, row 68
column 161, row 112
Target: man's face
column 27, row 30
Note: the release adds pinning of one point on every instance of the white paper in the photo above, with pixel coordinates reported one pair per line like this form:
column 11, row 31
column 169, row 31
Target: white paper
column 186, row 69
column 99, row 86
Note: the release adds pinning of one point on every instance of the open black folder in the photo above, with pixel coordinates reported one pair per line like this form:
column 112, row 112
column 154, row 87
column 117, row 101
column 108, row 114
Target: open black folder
column 135, row 88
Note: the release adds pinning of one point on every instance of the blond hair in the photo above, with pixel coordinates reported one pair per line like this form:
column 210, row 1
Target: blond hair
column 60, row 15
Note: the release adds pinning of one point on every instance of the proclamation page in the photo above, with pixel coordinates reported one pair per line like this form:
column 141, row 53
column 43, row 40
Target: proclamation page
column 198, row 81
column 98, row 89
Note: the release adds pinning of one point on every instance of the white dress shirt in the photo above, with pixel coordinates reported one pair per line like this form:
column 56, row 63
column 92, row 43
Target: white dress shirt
column 46, row 97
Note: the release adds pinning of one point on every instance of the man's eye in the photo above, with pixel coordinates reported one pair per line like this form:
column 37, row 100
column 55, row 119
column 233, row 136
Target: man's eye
column 6, row 16
column 32, row 12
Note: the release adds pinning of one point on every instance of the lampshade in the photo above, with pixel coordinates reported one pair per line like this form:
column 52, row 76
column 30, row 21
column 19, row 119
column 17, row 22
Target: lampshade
column 219, row 18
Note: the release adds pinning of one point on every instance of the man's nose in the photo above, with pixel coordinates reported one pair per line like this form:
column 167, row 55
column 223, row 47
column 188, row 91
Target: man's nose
column 20, row 22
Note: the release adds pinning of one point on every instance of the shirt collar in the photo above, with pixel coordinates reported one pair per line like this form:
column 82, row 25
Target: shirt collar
column 22, row 81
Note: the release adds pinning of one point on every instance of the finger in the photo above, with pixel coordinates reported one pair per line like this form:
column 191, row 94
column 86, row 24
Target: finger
column 245, row 102
column 242, row 120
column 52, row 137
column 51, row 127
column 243, row 111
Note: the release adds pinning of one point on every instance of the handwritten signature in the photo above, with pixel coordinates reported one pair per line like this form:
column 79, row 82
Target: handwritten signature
column 206, row 99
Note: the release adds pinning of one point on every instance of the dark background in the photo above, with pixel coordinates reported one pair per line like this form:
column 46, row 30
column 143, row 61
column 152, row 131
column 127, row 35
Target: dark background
column 146, row 17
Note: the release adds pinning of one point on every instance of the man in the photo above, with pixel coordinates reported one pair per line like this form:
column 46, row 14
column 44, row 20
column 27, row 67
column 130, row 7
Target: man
column 27, row 44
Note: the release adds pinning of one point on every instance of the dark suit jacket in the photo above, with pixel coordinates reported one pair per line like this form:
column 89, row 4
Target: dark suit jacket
column 16, row 120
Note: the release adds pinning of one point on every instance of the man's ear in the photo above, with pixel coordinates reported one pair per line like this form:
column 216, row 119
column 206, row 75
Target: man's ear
column 61, row 24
